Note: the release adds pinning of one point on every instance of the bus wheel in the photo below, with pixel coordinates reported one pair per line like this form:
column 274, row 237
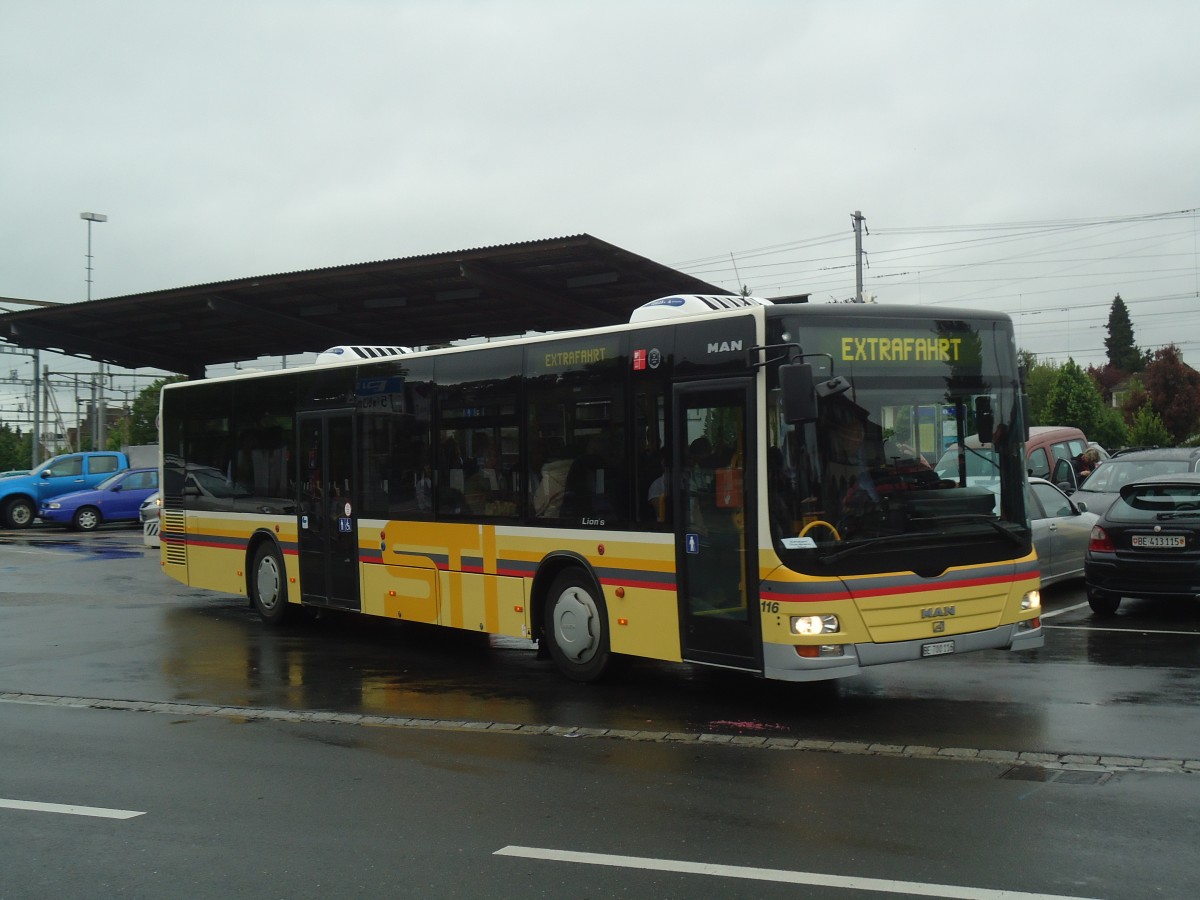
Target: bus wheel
column 577, row 627
column 268, row 585
column 19, row 513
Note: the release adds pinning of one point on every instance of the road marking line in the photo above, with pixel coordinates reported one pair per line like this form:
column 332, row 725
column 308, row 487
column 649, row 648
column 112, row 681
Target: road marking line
column 1059, row 612
column 97, row 812
column 1067, row 609
column 1130, row 630
column 784, row 876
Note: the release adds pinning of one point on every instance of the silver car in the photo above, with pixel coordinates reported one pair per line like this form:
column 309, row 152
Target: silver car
column 1061, row 531
column 150, row 514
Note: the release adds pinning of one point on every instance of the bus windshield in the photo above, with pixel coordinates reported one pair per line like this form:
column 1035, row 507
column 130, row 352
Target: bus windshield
column 886, row 466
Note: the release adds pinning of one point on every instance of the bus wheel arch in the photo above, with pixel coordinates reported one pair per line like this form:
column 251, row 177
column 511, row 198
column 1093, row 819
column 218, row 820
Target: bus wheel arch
column 266, row 579
column 573, row 618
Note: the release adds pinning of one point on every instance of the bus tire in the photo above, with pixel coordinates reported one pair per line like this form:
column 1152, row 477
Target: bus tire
column 576, row 627
column 268, row 584
column 19, row 512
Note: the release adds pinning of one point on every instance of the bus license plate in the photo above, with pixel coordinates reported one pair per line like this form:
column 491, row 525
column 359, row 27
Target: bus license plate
column 1158, row 540
column 937, row 649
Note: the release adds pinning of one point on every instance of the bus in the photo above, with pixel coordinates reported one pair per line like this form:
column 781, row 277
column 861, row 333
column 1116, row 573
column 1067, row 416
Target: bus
column 722, row 481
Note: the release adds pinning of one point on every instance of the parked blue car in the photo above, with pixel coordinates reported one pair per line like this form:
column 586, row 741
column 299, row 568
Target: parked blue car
column 116, row 499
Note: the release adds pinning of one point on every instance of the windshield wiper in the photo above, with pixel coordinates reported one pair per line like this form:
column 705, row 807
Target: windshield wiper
column 1185, row 514
column 924, row 536
column 831, row 558
column 987, row 520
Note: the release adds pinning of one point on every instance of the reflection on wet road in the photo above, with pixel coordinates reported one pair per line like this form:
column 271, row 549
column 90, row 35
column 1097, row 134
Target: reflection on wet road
column 122, row 630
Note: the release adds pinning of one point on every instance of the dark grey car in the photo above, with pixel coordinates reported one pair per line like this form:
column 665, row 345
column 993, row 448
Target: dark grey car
column 1147, row 544
column 1103, row 486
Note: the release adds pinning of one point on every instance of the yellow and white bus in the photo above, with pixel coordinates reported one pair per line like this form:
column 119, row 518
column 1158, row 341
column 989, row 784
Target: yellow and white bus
column 725, row 481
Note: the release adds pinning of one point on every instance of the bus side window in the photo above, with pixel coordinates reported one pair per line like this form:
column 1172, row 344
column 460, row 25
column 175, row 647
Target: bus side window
column 451, row 479
column 652, row 482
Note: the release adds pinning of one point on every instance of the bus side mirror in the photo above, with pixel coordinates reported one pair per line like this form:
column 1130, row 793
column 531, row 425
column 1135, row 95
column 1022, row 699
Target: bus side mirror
column 799, row 395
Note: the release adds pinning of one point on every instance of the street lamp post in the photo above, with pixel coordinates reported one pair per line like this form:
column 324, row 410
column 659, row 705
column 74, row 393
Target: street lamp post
column 99, row 425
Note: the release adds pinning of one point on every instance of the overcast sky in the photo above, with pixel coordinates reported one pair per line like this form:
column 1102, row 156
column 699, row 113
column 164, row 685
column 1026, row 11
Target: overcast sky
column 1035, row 157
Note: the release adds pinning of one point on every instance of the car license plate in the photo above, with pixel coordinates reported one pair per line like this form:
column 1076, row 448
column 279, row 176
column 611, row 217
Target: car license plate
column 1159, row 540
column 937, row 649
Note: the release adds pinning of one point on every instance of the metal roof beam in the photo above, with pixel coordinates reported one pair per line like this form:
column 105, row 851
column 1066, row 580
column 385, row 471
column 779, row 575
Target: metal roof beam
column 521, row 292
column 292, row 326
column 74, row 344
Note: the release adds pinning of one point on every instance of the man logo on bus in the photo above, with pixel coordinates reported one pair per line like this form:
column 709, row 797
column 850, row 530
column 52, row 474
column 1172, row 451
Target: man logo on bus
column 724, row 346
column 937, row 612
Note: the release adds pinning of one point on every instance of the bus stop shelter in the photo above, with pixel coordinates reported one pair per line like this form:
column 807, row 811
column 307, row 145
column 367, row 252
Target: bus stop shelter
column 544, row 285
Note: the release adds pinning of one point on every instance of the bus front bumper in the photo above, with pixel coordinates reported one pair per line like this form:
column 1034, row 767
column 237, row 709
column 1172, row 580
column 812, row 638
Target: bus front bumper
column 782, row 663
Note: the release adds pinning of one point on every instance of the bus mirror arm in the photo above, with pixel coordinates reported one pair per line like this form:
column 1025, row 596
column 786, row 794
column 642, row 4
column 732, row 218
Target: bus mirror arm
column 757, row 360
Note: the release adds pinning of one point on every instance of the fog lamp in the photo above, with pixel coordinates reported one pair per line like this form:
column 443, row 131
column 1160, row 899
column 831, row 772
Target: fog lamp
column 808, row 625
column 1031, row 600
column 821, row 652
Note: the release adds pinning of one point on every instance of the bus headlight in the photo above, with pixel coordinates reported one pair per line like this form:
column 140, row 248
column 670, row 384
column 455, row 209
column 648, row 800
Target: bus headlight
column 1031, row 600
column 808, row 625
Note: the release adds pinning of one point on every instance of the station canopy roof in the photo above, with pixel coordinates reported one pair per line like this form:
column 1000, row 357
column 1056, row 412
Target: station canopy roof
column 545, row 285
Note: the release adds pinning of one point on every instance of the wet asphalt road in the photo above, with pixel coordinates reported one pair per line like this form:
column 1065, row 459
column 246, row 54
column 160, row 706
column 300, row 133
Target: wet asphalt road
column 1089, row 746
column 93, row 617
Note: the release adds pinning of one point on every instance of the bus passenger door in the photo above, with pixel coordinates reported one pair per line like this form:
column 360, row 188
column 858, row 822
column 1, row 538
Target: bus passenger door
column 715, row 544
column 327, row 523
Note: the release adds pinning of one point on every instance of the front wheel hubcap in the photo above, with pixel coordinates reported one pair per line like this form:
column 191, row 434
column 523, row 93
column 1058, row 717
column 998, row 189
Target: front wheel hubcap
column 575, row 618
column 267, row 583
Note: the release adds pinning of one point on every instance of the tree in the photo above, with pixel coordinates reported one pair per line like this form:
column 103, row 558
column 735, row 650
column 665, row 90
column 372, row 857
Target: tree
column 1122, row 351
column 1074, row 399
column 15, row 449
column 1148, row 429
column 1173, row 390
column 143, row 416
column 1110, row 431
column 118, row 435
column 1108, row 378
column 1039, row 379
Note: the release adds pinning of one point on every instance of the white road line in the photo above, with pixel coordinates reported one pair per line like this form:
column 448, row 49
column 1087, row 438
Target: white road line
column 1066, row 609
column 97, row 812
column 1130, row 630
column 784, row 876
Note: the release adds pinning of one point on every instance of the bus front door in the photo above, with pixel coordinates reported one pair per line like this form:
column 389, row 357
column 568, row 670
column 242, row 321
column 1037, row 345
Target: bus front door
column 715, row 558
column 328, row 543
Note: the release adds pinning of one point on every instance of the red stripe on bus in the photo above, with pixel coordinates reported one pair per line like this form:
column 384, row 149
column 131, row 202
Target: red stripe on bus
column 883, row 591
column 649, row 585
column 233, row 545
